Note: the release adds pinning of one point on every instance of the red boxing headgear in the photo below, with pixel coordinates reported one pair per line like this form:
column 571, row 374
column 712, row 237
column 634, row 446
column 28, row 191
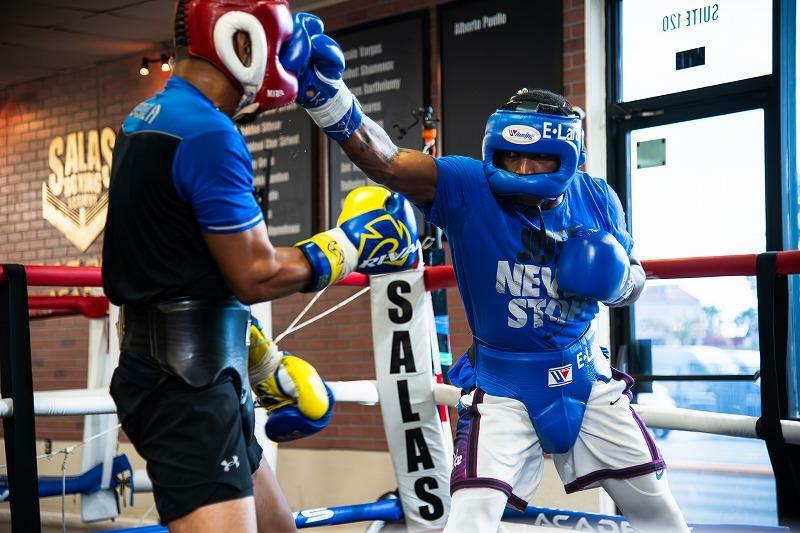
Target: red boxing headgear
column 206, row 28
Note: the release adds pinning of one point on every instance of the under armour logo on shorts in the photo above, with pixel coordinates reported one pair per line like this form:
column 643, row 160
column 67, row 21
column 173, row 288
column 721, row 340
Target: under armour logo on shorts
column 562, row 375
column 226, row 465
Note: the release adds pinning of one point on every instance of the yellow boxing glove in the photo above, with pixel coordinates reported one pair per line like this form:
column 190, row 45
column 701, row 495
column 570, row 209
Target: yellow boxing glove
column 376, row 233
column 286, row 386
column 263, row 357
column 295, row 382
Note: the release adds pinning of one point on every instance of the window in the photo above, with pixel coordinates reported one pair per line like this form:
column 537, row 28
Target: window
column 694, row 194
column 694, row 150
column 692, row 44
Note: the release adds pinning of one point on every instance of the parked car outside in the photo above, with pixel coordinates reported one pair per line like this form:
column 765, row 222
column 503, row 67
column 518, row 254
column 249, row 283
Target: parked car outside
column 733, row 397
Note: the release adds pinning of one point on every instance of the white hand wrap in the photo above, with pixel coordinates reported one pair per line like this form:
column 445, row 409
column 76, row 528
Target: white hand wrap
column 266, row 367
column 332, row 111
column 349, row 252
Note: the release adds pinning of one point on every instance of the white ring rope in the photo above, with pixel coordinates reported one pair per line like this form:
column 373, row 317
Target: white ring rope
column 300, row 315
column 69, row 402
column 716, row 423
column 69, row 450
column 323, row 314
column 98, row 401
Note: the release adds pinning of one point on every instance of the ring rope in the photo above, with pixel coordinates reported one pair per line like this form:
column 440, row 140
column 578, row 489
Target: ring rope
column 98, row 401
column 301, row 314
column 321, row 315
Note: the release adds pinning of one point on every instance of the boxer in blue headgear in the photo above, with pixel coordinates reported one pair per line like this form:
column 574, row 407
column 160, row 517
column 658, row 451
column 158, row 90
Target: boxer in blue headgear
column 536, row 244
column 527, row 125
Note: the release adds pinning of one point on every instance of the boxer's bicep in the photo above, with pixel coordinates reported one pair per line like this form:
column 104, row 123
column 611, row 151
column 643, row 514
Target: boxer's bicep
column 409, row 172
column 413, row 174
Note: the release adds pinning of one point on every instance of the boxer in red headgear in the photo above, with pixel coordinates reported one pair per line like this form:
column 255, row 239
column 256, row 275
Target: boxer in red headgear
column 209, row 29
column 186, row 248
column 180, row 191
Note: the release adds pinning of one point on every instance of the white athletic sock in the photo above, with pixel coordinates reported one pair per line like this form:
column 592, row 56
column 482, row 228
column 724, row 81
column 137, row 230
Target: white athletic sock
column 476, row 510
column 647, row 503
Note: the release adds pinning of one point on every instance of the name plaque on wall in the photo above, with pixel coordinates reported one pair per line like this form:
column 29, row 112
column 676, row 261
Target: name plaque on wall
column 489, row 51
column 280, row 141
column 385, row 71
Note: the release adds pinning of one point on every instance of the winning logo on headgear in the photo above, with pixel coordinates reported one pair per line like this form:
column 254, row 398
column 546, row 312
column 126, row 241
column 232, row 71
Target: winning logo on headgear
column 518, row 134
column 75, row 194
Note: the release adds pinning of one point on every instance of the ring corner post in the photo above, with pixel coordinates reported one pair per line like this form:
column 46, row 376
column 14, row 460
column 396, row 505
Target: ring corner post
column 16, row 382
column 773, row 308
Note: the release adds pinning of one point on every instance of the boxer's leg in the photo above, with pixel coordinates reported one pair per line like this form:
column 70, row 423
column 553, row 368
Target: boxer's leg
column 272, row 511
column 498, row 461
column 647, row 503
column 614, row 450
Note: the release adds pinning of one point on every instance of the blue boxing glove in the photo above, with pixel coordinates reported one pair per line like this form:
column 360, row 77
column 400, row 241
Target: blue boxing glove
column 594, row 264
column 298, row 401
column 318, row 63
column 289, row 423
column 375, row 234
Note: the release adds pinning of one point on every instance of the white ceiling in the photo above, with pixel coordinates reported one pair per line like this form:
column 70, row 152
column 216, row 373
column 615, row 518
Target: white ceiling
column 41, row 37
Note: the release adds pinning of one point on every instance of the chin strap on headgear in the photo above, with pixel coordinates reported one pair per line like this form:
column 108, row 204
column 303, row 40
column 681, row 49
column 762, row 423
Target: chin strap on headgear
column 527, row 125
column 207, row 28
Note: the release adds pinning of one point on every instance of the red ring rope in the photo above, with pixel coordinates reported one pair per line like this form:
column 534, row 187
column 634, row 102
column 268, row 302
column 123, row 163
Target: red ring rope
column 440, row 277
column 88, row 306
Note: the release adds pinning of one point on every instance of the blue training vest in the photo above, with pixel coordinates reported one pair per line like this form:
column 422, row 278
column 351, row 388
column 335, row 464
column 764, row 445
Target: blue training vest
column 533, row 342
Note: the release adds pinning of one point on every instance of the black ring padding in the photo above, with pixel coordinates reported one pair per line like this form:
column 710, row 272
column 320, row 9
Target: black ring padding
column 16, row 382
column 762, row 430
column 773, row 327
column 769, row 425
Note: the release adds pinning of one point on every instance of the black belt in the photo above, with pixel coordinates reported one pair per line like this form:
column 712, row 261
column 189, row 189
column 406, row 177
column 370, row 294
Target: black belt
column 195, row 340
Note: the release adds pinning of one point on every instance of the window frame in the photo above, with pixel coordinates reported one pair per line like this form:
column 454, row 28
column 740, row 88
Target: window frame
column 774, row 93
column 623, row 117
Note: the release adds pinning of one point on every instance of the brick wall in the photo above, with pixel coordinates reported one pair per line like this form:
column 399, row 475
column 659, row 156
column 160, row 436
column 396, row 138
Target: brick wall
column 574, row 55
column 31, row 114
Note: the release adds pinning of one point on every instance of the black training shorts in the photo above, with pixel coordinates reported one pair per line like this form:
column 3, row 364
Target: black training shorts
column 198, row 442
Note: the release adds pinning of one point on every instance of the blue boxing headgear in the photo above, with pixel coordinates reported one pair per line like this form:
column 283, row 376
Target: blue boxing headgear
column 528, row 124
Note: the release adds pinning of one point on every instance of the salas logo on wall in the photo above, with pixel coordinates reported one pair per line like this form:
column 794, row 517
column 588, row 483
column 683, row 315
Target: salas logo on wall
column 75, row 195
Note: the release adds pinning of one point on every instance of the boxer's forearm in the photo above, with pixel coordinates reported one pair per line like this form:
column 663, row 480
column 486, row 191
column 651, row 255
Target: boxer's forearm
column 408, row 172
column 284, row 274
column 639, row 279
column 287, row 273
column 253, row 269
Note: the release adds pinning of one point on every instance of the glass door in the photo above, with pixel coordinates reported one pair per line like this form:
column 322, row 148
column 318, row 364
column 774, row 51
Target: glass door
column 697, row 189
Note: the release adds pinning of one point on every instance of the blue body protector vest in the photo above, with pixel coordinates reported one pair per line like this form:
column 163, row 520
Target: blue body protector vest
column 533, row 342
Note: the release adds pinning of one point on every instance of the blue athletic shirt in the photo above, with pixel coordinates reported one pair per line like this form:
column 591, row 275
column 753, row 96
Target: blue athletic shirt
column 180, row 169
column 504, row 266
